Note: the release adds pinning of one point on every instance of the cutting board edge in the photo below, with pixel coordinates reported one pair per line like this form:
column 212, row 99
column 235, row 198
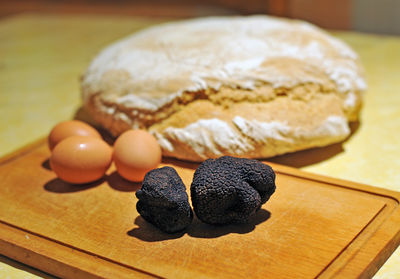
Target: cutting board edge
column 378, row 235
column 337, row 182
column 13, row 155
column 389, row 248
column 61, row 260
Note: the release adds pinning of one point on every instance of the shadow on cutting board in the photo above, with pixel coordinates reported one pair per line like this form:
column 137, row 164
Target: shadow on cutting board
column 46, row 164
column 149, row 233
column 199, row 229
column 116, row 182
column 56, row 185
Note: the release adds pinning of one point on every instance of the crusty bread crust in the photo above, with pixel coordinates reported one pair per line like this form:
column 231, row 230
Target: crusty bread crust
column 292, row 87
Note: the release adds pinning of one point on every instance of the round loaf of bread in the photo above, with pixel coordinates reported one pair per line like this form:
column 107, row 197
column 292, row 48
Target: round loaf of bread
column 254, row 87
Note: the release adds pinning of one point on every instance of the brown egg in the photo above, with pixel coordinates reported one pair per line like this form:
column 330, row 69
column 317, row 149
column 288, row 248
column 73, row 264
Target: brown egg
column 80, row 159
column 70, row 128
column 135, row 153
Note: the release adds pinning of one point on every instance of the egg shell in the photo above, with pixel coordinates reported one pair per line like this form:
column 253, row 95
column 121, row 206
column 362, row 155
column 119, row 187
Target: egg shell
column 135, row 153
column 70, row 128
column 81, row 159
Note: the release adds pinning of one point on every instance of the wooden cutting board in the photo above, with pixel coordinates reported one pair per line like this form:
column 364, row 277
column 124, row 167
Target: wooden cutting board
column 313, row 226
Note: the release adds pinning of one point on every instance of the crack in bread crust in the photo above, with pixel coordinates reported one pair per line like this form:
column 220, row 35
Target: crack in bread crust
column 225, row 98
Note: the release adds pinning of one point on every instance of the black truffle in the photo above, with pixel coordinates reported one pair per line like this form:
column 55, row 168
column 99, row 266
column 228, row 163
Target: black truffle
column 163, row 200
column 230, row 190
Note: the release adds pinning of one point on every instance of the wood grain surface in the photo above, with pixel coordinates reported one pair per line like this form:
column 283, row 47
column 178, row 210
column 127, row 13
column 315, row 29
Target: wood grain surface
column 312, row 227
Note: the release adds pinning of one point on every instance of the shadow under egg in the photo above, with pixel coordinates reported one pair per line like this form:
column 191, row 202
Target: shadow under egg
column 57, row 185
column 118, row 183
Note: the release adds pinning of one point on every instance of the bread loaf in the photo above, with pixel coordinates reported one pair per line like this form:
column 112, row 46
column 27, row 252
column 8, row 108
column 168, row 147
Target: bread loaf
column 254, row 86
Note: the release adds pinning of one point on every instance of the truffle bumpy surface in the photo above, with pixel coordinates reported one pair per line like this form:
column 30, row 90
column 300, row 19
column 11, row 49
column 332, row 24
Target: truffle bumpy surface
column 230, row 190
column 163, row 200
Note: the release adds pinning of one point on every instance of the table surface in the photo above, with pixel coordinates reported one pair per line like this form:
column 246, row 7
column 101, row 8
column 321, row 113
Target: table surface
column 43, row 56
